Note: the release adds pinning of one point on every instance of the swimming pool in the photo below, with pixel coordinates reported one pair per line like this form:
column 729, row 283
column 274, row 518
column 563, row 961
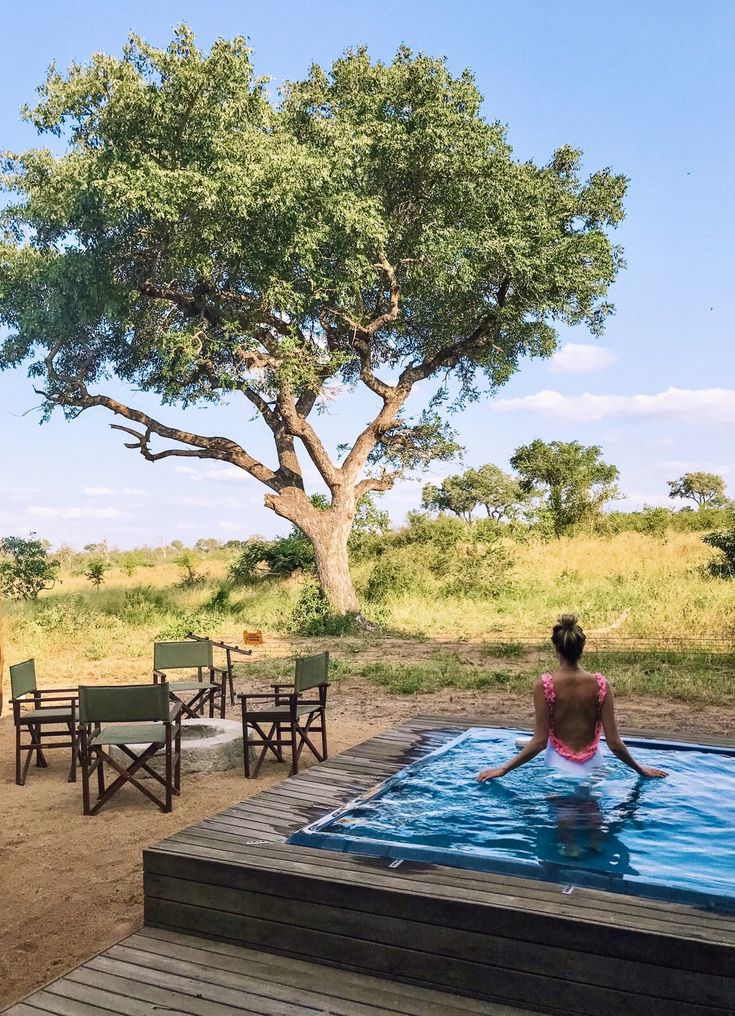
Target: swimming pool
column 670, row 839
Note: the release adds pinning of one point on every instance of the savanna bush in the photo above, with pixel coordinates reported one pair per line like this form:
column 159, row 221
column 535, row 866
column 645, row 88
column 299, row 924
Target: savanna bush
column 312, row 615
column 272, row 558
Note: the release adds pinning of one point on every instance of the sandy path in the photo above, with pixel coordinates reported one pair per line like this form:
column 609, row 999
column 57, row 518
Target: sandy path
column 71, row 886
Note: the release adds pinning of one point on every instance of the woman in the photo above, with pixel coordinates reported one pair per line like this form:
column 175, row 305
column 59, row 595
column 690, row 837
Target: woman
column 573, row 708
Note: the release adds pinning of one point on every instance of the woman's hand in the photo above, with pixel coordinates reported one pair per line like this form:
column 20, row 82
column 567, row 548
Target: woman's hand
column 490, row 774
column 651, row 773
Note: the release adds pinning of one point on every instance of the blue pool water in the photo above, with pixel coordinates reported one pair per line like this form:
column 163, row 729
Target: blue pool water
column 671, row 839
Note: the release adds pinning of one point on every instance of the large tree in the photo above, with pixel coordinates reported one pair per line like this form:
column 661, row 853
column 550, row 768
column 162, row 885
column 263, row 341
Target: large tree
column 571, row 479
column 700, row 487
column 198, row 241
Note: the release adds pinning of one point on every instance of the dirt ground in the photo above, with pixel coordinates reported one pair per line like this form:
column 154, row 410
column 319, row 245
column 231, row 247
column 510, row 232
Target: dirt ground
column 71, row 886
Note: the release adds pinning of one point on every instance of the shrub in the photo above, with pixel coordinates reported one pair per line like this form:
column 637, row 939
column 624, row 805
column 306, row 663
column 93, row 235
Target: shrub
column 722, row 567
column 96, row 568
column 312, row 615
column 141, row 605
column 188, row 561
column 26, row 567
column 391, row 576
column 273, row 558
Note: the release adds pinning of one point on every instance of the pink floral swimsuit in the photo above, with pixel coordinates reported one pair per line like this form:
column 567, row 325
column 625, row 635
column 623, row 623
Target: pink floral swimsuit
column 559, row 755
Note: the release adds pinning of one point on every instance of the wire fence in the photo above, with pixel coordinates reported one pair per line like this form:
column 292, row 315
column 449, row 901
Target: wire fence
column 720, row 644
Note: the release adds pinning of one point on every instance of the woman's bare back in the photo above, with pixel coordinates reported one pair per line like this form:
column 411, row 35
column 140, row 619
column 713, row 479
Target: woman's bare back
column 576, row 708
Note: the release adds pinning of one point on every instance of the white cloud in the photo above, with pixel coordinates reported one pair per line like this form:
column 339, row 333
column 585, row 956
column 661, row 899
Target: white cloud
column 679, row 466
column 233, row 527
column 47, row 512
column 133, row 492
column 578, row 358
column 187, row 470
column 712, row 405
column 226, row 474
column 97, row 491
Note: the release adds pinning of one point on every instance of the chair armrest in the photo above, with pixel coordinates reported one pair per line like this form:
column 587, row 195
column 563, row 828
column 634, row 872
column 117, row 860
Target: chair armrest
column 265, row 695
column 220, row 670
column 174, row 712
column 159, row 675
column 56, row 691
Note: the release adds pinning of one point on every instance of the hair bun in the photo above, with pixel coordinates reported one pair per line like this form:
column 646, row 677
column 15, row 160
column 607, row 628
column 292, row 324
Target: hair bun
column 568, row 621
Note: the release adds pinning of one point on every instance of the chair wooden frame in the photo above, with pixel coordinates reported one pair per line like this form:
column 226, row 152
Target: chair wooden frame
column 290, row 718
column 40, row 729
column 94, row 755
column 229, row 650
column 191, row 655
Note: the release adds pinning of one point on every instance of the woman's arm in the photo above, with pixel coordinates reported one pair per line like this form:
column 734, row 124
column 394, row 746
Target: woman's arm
column 615, row 742
column 534, row 746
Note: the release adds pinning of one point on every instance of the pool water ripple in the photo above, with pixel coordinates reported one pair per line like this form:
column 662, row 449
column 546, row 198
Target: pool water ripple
column 677, row 833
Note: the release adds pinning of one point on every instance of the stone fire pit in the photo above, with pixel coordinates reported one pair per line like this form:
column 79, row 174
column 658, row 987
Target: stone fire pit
column 207, row 746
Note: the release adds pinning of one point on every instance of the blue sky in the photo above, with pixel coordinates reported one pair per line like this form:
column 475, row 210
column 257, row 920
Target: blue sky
column 645, row 88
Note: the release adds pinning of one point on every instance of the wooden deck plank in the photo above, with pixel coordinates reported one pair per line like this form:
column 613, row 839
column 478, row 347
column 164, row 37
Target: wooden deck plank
column 540, row 898
column 343, row 983
column 477, row 946
column 153, row 972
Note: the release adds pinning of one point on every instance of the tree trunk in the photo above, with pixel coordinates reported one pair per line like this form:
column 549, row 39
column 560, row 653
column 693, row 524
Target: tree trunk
column 329, row 537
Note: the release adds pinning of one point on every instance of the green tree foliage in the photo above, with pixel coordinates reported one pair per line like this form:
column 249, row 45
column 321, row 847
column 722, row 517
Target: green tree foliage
column 497, row 492
column 700, row 487
column 198, row 241
column 188, row 561
column 95, row 572
column 723, row 540
column 26, row 567
column 130, row 562
column 571, row 480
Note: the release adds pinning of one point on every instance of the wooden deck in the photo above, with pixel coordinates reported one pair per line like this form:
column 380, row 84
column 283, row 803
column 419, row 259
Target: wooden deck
column 153, row 973
column 494, row 938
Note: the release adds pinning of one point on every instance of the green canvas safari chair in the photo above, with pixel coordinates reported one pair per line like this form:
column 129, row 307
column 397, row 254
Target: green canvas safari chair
column 228, row 651
column 139, row 720
column 290, row 716
column 209, row 682
column 46, row 717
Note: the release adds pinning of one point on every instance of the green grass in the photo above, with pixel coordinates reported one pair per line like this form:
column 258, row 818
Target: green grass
column 76, row 633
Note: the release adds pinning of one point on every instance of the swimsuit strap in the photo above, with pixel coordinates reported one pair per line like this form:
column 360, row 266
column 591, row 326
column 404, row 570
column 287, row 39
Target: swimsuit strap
column 601, row 688
column 549, row 694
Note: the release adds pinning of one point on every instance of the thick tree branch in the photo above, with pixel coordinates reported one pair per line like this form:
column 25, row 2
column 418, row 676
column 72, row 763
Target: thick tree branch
column 202, row 446
column 299, row 427
column 450, row 355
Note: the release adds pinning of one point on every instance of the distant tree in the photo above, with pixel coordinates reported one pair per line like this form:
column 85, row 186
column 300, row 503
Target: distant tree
column 130, row 562
column 26, row 568
column 370, row 230
column 700, row 487
column 452, row 495
column 369, row 518
column 188, row 561
column 96, row 568
column 98, row 549
column 498, row 493
column 571, row 480
column 207, row 546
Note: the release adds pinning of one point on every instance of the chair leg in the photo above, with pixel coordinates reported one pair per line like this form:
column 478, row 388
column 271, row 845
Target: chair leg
column 177, row 750
column 35, row 729
column 294, row 750
column 169, row 771
column 19, row 779
column 245, row 744
column 324, row 735
column 100, row 776
column 85, row 777
column 73, row 768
